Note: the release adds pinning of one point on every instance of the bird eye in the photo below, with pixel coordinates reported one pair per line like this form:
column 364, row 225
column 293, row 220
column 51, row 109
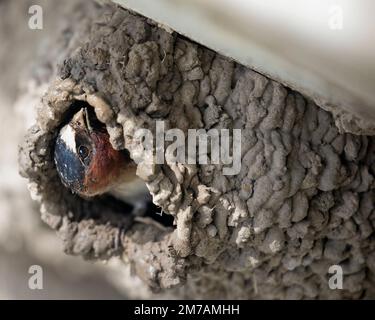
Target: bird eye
column 83, row 152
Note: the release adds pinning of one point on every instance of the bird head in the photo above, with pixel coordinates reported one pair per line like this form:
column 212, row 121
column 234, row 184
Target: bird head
column 85, row 159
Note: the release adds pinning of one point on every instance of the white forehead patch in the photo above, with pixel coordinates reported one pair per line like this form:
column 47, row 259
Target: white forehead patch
column 68, row 136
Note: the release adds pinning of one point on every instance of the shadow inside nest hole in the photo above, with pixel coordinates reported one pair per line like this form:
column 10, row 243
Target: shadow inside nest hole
column 99, row 206
column 151, row 210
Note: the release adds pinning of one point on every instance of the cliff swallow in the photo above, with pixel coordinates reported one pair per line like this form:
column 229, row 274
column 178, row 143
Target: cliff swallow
column 88, row 164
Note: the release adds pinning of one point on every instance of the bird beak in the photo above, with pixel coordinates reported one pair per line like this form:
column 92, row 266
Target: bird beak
column 87, row 117
column 83, row 120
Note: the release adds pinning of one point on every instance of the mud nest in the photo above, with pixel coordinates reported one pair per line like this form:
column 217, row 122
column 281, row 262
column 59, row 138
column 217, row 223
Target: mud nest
column 302, row 201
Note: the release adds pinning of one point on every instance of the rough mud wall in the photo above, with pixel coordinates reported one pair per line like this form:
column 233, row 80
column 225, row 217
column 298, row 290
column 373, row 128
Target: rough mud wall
column 303, row 200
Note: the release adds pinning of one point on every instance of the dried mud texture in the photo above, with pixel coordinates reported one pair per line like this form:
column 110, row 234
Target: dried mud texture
column 303, row 200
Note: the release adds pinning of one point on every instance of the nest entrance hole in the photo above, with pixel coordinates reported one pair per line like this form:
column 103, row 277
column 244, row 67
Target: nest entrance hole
column 152, row 211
